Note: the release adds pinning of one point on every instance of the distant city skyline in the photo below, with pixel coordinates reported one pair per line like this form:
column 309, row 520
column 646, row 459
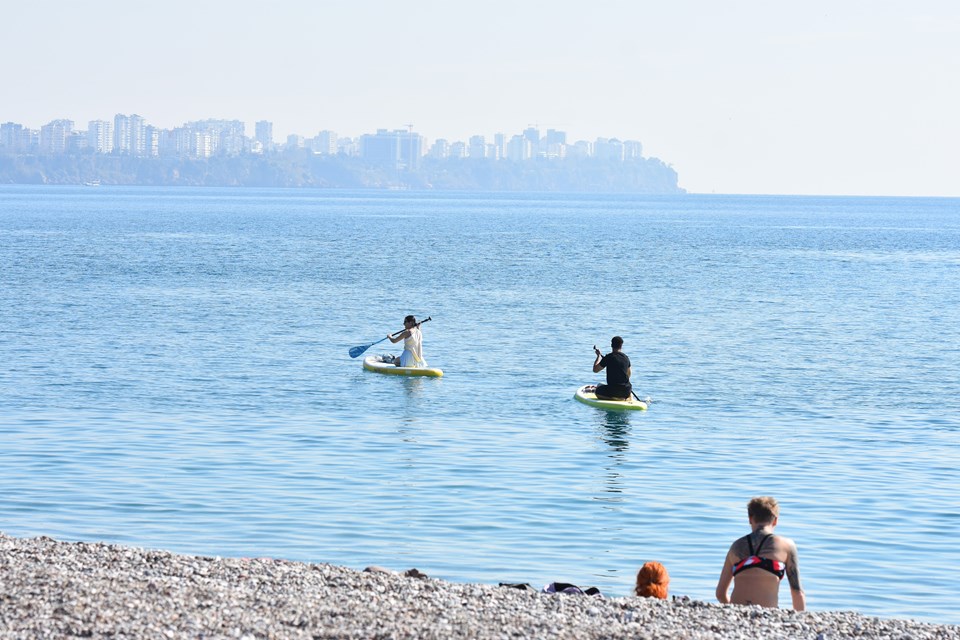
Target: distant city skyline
column 854, row 98
column 130, row 151
column 133, row 134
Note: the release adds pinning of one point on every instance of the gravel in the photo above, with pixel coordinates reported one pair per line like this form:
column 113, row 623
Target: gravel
column 52, row 589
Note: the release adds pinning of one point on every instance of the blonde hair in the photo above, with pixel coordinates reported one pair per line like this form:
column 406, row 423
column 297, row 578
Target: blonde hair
column 652, row 581
column 763, row 510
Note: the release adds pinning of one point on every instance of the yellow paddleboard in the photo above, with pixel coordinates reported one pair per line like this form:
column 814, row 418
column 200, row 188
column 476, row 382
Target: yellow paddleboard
column 375, row 364
column 590, row 398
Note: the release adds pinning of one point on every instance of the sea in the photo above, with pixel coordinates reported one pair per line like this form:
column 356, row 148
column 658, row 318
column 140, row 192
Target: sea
column 174, row 374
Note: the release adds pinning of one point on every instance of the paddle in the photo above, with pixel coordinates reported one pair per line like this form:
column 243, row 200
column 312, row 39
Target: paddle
column 356, row 351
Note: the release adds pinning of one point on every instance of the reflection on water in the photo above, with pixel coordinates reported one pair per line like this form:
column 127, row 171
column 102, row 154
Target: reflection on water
column 413, row 386
column 406, row 429
column 410, row 396
column 615, row 431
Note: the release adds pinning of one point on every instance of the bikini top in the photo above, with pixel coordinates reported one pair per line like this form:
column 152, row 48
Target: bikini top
column 775, row 567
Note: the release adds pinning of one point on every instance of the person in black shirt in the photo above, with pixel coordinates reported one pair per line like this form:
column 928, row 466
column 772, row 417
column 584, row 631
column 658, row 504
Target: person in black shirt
column 617, row 365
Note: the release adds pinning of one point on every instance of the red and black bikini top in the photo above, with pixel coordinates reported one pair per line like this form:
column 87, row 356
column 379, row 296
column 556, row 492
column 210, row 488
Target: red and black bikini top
column 775, row 567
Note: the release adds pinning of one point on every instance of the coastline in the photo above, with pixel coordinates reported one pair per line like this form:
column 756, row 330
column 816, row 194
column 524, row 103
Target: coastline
column 53, row 589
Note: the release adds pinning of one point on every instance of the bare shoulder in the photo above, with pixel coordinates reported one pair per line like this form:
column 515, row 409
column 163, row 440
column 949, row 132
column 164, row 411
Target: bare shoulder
column 738, row 549
column 787, row 544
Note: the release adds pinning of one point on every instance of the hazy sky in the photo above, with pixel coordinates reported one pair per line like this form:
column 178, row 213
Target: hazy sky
column 818, row 97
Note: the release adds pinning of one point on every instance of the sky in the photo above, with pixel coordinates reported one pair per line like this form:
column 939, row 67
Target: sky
column 822, row 97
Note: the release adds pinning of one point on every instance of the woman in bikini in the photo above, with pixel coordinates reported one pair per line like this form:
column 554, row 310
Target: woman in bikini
column 756, row 563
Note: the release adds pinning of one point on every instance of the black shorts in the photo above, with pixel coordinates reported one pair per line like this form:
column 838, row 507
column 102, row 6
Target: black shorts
column 614, row 390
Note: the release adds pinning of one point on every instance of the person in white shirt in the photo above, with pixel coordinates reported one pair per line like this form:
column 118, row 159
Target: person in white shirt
column 412, row 337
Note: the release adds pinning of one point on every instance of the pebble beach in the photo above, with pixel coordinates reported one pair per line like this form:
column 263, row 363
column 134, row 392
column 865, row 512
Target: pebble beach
column 54, row 589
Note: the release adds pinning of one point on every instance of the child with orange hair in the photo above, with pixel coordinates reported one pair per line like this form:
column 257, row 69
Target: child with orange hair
column 652, row 581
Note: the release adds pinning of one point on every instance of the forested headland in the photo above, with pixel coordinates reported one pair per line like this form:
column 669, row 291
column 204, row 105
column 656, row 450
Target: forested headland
column 301, row 168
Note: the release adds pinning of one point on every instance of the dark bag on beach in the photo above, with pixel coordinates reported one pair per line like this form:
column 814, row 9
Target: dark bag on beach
column 566, row 587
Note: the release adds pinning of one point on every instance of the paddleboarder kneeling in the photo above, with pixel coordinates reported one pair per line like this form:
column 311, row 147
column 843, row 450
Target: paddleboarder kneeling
column 412, row 355
column 617, row 365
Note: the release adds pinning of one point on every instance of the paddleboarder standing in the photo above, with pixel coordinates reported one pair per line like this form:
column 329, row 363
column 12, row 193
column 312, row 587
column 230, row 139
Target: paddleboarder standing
column 617, row 365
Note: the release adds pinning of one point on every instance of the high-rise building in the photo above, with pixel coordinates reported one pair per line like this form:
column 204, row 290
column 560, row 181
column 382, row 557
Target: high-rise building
column 554, row 145
column 500, row 146
column 555, row 137
column 226, row 137
column 232, row 143
column 100, row 136
column 440, row 149
column 382, row 148
column 532, row 135
column 397, row 149
column 167, row 144
column 519, row 149
column 225, row 127
column 608, row 149
column 205, row 138
column 176, row 142
column 553, row 151
column 325, row 143
column 477, row 147
column 9, row 135
column 263, row 133
column 151, row 141
column 14, row 138
column 632, row 150
column 348, row 147
column 76, row 142
column 130, row 134
column 200, row 143
column 580, row 149
column 121, row 133
column 53, row 136
column 138, row 135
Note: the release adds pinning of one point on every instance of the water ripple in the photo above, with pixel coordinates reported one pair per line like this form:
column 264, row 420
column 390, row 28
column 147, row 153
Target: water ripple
column 176, row 376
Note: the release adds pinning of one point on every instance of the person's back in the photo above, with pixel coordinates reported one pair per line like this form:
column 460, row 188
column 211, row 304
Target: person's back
column 757, row 562
column 617, row 366
column 760, row 585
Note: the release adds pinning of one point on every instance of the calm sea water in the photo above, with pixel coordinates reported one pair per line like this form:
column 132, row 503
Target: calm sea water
column 175, row 375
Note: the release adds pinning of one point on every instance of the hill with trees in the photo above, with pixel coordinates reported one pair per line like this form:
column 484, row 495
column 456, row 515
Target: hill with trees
column 301, row 168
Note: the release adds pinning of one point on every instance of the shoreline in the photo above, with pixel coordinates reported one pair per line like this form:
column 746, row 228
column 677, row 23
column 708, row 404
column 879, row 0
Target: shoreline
column 53, row 589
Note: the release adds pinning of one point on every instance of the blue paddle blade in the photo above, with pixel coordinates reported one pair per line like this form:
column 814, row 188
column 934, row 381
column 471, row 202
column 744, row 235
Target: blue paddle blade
column 355, row 351
column 358, row 350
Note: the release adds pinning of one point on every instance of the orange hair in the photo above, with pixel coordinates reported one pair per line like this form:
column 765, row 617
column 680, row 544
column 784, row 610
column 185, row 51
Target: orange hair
column 652, row 581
